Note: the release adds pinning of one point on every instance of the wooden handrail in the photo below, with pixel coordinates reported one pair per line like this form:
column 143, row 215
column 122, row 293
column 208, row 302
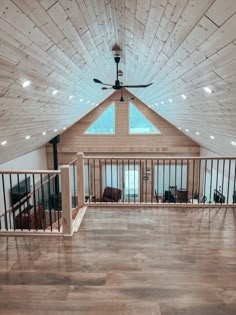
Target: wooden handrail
column 73, row 162
column 30, row 172
column 156, row 158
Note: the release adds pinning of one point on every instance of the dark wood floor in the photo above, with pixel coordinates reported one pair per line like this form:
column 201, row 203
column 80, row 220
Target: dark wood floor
column 129, row 261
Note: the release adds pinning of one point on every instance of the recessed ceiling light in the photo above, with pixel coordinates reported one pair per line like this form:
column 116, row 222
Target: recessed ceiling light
column 26, row 83
column 81, row 100
column 88, row 102
column 207, row 89
column 64, row 128
column 187, row 130
column 233, row 143
column 93, row 103
column 44, row 133
column 70, row 97
column 4, row 142
column 179, row 128
column 156, row 104
column 162, row 103
column 184, row 96
column 197, row 133
column 55, row 130
column 54, row 92
column 170, row 100
column 27, row 137
column 212, row 137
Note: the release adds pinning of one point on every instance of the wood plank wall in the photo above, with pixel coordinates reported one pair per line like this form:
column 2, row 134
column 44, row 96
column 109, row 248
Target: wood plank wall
column 171, row 141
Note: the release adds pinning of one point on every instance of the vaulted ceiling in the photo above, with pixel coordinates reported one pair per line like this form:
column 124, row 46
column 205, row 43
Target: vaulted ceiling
column 181, row 46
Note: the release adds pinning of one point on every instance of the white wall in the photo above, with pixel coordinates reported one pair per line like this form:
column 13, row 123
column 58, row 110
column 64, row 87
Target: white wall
column 36, row 160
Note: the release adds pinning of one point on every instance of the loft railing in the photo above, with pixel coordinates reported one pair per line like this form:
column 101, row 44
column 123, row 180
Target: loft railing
column 31, row 201
column 154, row 180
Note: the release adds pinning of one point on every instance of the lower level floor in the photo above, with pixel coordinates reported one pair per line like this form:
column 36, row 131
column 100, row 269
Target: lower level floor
column 129, row 261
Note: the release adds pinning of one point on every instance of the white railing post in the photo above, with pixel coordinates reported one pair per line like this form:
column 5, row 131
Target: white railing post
column 66, row 201
column 80, row 179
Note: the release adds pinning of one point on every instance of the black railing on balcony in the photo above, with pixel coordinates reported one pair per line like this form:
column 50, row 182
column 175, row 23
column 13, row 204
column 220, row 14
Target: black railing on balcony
column 169, row 180
column 28, row 201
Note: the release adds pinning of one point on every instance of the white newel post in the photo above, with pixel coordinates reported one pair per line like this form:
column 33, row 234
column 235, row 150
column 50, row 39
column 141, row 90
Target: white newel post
column 66, row 201
column 80, row 179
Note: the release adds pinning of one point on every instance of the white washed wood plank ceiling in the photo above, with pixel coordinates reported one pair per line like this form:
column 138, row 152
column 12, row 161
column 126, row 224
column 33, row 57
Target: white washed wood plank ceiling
column 179, row 45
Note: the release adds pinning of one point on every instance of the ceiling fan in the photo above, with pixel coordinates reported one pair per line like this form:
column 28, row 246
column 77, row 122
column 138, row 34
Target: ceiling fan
column 118, row 85
column 121, row 99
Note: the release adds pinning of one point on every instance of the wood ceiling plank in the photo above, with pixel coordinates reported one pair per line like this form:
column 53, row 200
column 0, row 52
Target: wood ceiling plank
column 221, row 38
column 15, row 17
column 192, row 13
column 219, row 13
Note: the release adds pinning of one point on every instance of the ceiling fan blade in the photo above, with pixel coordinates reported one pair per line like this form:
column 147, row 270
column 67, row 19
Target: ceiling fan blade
column 105, row 88
column 100, row 82
column 137, row 86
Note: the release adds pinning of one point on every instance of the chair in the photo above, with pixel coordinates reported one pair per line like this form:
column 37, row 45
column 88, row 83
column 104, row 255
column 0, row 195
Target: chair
column 111, row 194
column 169, row 197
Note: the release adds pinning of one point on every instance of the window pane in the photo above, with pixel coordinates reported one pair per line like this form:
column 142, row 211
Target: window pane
column 105, row 124
column 139, row 124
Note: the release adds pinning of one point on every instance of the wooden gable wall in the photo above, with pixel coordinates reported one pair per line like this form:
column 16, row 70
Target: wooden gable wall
column 171, row 141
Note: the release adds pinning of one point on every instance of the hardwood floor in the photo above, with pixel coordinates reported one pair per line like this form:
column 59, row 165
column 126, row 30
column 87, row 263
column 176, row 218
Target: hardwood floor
column 128, row 261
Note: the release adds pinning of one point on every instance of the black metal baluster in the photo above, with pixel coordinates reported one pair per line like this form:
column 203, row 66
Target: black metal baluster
column 211, row 180
column 193, row 184
column 128, row 184
column 234, row 191
column 217, row 172
column 140, row 182
column 117, row 174
column 169, row 179
column 89, row 190
column 146, row 181
column 223, row 175
column 59, row 209
column 49, row 202
column 228, row 181
column 28, row 205
column 74, row 183
column 199, row 178
column 100, row 178
column 5, row 204
column 111, row 175
column 105, row 164
column 43, row 203
column 134, row 182
column 163, row 171
column 205, row 180
column 181, row 175
column 94, row 180
column 13, row 211
column 175, row 181
column 123, row 180
column 20, row 214
column 157, row 161
column 34, row 200
column 187, row 199
column 152, row 183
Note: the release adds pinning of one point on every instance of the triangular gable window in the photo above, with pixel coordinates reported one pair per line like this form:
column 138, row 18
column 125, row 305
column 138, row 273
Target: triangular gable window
column 105, row 124
column 139, row 124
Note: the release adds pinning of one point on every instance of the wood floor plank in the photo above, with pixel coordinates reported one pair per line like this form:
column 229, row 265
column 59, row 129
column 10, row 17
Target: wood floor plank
column 129, row 262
